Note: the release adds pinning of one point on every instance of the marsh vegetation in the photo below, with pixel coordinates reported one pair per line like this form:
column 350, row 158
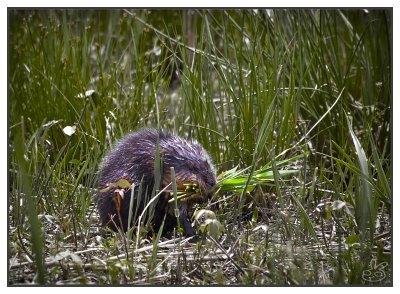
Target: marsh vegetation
column 255, row 88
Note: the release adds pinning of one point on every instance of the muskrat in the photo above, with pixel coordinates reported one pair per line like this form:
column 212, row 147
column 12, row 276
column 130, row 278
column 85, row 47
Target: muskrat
column 133, row 159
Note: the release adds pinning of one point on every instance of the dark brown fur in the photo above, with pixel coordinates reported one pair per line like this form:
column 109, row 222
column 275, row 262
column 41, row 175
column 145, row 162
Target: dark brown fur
column 133, row 159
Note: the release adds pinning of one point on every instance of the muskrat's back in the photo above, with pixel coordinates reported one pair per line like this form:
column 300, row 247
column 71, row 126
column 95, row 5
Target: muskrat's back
column 133, row 159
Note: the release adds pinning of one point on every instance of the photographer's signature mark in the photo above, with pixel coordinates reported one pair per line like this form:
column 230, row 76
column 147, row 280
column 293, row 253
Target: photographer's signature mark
column 376, row 272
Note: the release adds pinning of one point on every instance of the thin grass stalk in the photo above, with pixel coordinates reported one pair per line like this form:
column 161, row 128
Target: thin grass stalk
column 383, row 180
column 131, row 211
column 265, row 130
column 153, row 199
column 175, row 194
column 25, row 183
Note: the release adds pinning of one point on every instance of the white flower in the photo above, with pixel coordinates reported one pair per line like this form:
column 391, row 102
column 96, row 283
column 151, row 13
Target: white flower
column 68, row 130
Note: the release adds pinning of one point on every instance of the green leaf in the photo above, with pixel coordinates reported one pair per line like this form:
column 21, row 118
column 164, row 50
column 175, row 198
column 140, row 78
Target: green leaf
column 123, row 183
column 352, row 239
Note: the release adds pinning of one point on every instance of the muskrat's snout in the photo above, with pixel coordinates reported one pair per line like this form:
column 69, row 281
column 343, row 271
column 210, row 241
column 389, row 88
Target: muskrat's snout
column 210, row 188
column 207, row 186
column 210, row 181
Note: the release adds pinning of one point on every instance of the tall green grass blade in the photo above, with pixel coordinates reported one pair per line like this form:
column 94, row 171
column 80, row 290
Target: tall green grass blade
column 383, row 180
column 131, row 210
column 265, row 131
column 175, row 193
column 364, row 198
column 25, row 183
column 322, row 117
column 276, row 175
column 306, row 219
